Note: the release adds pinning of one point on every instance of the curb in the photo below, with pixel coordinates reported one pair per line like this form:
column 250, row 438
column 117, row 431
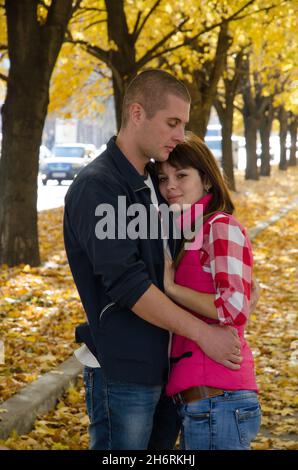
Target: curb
column 254, row 232
column 20, row 411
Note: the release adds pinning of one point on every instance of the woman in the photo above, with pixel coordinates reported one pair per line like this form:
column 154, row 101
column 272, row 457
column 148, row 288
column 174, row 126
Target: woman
column 219, row 407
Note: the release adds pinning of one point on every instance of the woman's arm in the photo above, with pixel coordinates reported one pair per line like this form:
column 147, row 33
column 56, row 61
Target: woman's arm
column 198, row 302
column 230, row 259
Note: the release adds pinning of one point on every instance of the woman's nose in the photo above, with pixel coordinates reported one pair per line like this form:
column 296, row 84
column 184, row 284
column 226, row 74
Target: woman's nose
column 171, row 184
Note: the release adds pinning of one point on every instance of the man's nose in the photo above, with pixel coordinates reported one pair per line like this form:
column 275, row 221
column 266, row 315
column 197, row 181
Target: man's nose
column 179, row 134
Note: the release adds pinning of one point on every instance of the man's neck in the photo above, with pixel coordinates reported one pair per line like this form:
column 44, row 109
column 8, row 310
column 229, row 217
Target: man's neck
column 128, row 147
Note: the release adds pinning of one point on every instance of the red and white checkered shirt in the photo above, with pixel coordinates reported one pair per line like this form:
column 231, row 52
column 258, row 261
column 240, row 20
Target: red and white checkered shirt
column 227, row 254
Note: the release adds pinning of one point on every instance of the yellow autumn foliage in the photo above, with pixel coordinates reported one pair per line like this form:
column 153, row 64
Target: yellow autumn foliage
column 39, row 308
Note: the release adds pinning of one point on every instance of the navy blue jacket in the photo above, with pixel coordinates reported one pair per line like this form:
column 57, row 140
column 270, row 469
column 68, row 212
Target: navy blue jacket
column 111, row 275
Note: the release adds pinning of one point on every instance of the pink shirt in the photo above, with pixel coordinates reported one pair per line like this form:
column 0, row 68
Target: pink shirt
column 222, row 266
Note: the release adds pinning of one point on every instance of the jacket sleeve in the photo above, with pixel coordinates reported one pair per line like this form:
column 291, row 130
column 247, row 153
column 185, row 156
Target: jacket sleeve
column 231, row 268
column 92, row 211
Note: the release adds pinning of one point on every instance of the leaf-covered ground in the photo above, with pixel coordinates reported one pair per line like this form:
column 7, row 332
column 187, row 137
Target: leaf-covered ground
column 39, row 308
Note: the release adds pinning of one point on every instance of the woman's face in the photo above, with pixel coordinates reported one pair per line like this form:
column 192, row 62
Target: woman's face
column 180, row 185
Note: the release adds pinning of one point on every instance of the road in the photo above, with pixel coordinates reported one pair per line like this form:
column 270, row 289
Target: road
column 52, row 195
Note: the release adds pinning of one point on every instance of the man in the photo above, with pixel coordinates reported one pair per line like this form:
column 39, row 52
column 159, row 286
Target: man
column 120, row 280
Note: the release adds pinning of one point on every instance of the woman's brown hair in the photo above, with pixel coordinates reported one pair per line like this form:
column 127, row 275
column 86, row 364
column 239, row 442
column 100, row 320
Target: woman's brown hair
column 194, row 153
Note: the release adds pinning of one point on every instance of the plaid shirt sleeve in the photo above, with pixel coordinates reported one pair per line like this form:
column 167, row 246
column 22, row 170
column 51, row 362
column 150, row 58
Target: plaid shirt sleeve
column 230, row 257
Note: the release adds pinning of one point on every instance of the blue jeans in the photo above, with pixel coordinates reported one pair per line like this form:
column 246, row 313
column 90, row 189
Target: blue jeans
column 228, row 421
column 128, row 416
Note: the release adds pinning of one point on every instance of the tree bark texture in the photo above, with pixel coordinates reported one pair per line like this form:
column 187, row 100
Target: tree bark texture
column 293, row 134
column 33, row 50
column 123, row 60
column 203, row 88
column 283, row 129
column 265, row 131
column 225, row 111
column 250, row 117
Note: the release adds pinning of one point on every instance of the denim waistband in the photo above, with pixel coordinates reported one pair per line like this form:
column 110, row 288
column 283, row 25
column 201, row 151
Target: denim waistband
column 236, row 395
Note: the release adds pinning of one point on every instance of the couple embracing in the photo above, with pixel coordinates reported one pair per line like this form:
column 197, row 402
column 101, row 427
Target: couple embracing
column 164, row 346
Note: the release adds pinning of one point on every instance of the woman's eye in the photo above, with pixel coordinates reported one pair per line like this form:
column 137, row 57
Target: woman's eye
column 182, row 175
column 161, row 179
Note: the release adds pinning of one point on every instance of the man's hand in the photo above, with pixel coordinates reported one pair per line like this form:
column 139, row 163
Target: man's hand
column 255, row 295
column 222, row 344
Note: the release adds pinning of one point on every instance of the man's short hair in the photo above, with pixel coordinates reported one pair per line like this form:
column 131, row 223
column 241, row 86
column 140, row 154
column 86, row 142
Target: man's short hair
column 150, row 89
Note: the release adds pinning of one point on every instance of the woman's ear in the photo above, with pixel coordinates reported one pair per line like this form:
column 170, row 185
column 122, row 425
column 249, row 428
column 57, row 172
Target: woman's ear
column 207, row 185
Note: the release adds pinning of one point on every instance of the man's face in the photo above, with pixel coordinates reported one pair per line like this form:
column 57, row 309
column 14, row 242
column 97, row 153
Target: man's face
column 159, row 135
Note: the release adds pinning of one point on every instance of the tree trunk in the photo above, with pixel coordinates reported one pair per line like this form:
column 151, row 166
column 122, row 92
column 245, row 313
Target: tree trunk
column 293, row 133
column 225, row 115
column 283, row 128
column 204, row 86
column 227, row 148
column 250, row 117
column 23, row 120
column 225, row 111
column 250, row 129
column 265, row 131
column 200, row 106
column 123, row 59
column 118, row 88
column 33, row 50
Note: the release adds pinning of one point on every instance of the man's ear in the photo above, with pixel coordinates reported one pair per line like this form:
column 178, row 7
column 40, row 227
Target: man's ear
column 137, row 113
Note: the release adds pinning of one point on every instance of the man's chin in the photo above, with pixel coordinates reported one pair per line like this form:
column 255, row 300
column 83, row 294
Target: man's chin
column 162, row 157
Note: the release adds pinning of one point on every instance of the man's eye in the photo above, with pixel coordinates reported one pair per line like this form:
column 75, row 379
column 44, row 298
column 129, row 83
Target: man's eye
column 172, row 124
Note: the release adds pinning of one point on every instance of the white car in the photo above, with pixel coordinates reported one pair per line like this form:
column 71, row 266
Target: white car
column 66, row 161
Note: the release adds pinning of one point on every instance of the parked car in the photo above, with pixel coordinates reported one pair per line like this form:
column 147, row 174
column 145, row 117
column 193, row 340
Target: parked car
column 66, row 161
column 44, row 152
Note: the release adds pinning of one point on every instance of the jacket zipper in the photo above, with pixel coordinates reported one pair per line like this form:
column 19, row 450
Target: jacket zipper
column 105, row 309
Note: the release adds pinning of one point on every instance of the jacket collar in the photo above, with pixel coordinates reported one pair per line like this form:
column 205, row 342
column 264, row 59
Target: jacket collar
column 124, row 166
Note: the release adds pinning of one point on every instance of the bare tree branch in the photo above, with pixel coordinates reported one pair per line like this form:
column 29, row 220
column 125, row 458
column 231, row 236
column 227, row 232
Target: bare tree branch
column 136, row 25
column 188, row 41
column 3, row 77
column 150, row 54
column 102, row 74
column 94, row 23
column 95, row 51
column 254, row 12
column 137, row 32
column 86, row 13
column 76, row 6
column 84, row 10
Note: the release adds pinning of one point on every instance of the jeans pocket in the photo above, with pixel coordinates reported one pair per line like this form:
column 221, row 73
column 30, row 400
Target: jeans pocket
column 248, row 421
column 89, row 387
column 195, row 430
